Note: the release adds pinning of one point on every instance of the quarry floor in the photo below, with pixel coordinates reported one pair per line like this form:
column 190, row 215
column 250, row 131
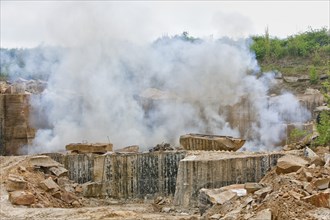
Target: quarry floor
column 116, row 210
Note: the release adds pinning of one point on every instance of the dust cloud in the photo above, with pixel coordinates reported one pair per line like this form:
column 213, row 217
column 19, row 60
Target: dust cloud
column 112, row 84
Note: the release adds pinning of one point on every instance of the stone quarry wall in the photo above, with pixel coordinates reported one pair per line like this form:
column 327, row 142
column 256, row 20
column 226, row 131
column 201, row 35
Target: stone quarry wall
column 140, row 175
column 216, row 169
column 15, row 131
column 124, row 175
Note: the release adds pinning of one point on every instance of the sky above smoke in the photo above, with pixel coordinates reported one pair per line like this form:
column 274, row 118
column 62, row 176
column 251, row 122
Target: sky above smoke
column 30, row 23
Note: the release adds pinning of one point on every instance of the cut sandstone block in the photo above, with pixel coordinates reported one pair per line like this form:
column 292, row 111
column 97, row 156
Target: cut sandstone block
column 89, row 148
column 210, row 142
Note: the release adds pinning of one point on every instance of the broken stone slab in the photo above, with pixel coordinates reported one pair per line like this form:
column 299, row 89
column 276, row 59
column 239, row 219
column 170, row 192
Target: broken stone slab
column 265, row 214
column 89, row 148
column 290, row 163
column 49, row 184
column 210, row 142
column 15, row 182
column 129, row 149
column 209, row 197
column 252, row 187
column 236, row 188
column 21, row 198
column 322, row 184
column 261, row 193
column 59, row 171
column 217, row 196
column 43, row 161
column 321, row 199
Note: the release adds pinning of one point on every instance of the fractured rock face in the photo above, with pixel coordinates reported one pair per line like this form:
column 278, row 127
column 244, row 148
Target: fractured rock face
column 290, row 163
column 21, row 198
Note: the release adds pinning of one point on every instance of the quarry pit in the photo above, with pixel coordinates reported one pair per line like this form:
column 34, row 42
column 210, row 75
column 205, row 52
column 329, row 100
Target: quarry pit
column 96, row 181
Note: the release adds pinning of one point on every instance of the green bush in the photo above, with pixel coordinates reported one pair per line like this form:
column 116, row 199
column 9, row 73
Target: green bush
column 299, row 45
column 324, row 129
column 313, row 75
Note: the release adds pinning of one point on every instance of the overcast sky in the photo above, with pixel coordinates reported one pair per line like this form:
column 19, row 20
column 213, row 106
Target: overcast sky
column 30, row 23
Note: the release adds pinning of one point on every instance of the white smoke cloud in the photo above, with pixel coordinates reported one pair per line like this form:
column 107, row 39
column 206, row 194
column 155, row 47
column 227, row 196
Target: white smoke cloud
column 95, row 94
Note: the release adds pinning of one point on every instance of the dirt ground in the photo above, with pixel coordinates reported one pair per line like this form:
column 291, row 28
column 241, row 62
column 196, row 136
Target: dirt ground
column 115, row 210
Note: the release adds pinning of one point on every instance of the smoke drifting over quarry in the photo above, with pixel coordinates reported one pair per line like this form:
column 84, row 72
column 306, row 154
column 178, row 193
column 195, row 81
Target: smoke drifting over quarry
column 99, row 90
column 110, row 85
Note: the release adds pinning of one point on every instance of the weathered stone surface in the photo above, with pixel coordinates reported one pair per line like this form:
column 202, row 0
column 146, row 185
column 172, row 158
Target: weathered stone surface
column 68, row 197
column 290, row 163
column 15, row 182
column 92, row 189
column 49, row 184
column 89, row 148
column 322, row 183
column 265, row 214
column 62, row 181
column 59, row 171
column 21, row 198
column 15, row 130
column 44, row 161
column 252, row 187
column 137, row 175
column 210, row 142
column 321, row 199
column 205, row 169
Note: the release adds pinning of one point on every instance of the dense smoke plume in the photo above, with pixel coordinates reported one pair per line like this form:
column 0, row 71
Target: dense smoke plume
column 110, row 87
